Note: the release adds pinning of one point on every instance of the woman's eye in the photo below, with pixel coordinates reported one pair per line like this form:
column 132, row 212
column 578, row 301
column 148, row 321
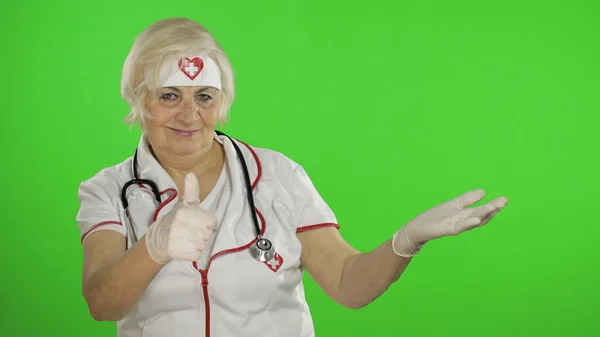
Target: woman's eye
column 204, row 97
column 168, row 96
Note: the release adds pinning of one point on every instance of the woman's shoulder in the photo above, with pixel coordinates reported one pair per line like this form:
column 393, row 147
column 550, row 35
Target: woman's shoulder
column 109, row 179
column 273, row 162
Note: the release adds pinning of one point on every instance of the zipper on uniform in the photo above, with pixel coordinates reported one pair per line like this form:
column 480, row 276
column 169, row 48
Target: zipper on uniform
column 204, row 274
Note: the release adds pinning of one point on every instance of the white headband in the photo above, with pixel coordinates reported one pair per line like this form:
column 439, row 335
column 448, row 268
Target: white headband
column 190, row 72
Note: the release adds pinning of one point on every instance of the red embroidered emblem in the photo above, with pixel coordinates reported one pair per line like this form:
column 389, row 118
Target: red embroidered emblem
column 191, row 67
column 275, row 263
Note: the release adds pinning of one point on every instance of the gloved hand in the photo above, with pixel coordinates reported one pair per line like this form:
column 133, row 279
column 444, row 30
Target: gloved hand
column 183, row 232
column 448, row 219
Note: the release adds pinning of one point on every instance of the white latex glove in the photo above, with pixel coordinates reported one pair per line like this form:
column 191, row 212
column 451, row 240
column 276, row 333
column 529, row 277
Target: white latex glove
column 183, row 232
column 448, row 219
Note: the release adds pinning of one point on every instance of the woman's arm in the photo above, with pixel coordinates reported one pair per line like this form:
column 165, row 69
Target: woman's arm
column 355, row 280
column 114, row 278
column 350, row 278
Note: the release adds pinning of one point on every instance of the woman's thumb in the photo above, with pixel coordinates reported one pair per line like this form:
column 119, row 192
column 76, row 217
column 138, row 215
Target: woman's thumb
column 191, row 189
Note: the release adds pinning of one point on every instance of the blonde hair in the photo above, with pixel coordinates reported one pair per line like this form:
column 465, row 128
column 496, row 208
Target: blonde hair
column 166, row 39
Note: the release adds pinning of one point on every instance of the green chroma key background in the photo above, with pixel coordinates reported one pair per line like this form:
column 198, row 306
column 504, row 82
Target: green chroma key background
column 392, row 106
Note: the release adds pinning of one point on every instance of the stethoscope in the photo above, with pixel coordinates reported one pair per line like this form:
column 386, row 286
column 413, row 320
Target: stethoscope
column 262, row 249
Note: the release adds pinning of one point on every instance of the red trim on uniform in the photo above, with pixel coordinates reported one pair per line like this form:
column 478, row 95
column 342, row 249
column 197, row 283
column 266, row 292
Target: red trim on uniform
column 316, row 226
column 204, row 272
column 113, row 222
column 103, row 223
column 239, row 249
column 164, row 203
column 258, row 166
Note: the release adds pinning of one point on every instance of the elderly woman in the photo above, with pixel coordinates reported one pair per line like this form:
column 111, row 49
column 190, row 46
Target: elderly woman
column 199, row 234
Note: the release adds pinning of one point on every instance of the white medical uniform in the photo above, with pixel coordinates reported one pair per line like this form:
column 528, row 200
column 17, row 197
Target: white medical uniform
column 226, row 293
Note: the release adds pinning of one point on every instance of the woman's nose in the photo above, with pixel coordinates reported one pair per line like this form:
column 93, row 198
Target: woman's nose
column 189, row 110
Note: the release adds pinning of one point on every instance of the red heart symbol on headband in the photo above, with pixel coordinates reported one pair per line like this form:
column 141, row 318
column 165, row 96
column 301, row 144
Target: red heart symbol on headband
column 191, row 67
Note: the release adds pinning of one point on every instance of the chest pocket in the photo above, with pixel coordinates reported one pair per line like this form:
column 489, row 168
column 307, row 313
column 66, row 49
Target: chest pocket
column 237, row 279
column 252, row 298
column 240, row 283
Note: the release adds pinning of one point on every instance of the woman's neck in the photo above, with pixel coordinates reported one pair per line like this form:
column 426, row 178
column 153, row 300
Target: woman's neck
column 205, row 166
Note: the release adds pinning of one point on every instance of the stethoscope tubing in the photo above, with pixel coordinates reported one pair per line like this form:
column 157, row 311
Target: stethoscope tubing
column 262, row 250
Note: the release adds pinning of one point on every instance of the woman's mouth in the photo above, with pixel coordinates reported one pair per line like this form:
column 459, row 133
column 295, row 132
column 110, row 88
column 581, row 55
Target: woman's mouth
column 185, row 133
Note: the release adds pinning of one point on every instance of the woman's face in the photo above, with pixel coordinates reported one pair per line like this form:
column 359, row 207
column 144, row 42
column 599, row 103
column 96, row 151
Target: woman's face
column 183, row 119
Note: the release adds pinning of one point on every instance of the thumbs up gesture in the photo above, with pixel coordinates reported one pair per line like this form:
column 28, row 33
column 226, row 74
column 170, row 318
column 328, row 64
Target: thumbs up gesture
column 182, row 233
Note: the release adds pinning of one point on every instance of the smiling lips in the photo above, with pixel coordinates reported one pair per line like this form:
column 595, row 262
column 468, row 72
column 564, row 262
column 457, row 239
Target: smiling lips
column 185, row 133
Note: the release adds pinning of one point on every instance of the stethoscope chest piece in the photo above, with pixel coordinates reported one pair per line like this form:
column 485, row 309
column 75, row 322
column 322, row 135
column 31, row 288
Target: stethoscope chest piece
column 262, row 250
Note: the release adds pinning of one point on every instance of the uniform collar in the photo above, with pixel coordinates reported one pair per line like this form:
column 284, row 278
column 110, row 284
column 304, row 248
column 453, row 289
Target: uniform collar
column 150, row 168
